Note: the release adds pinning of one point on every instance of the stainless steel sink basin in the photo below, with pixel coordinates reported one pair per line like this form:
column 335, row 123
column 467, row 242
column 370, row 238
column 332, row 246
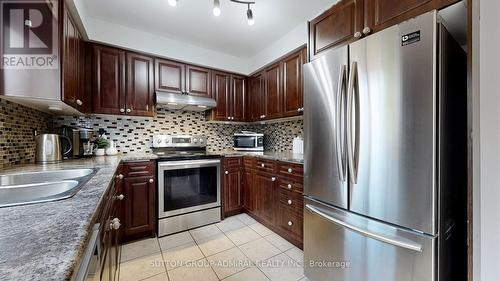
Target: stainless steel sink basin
column 37, row 187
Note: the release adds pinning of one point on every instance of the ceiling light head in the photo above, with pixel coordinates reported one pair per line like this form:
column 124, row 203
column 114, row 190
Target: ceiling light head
column 250, row 18
column 216, row 9
column 172, row 3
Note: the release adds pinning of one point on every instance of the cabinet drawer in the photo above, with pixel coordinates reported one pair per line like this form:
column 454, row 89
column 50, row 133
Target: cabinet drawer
column 290, row 222
column 290, row 184
column 248, row 162
column 291, row 170
column 265, row 165
column 139, row 169
column 230, row 162
column 292, row 201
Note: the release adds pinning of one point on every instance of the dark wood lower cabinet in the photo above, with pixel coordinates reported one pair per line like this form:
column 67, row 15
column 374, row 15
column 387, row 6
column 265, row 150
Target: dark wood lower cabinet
column 232, row 181
column 248, row 191
column 265, row 185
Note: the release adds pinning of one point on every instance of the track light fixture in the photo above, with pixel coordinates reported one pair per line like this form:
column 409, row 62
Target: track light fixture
column 217, row 9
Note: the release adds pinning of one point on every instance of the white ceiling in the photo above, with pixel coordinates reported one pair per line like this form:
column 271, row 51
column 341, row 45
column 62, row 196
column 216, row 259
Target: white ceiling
column 192, row 21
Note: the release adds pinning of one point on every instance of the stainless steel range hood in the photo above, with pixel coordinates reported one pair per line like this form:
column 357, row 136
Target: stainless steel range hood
column 177, row 101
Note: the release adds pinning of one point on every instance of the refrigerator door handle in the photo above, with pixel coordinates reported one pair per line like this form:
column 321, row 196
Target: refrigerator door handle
column 352, row 141
column 407, row 245
column 339, row 143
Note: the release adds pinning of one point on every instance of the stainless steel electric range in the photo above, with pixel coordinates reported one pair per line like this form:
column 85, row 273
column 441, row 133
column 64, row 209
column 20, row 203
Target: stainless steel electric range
column 189, row 183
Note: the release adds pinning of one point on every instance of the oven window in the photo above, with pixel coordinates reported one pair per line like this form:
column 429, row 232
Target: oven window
column 189, row 187
column 244, row 142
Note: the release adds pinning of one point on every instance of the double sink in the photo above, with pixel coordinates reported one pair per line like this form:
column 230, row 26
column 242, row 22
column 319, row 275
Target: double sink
column 38, row 187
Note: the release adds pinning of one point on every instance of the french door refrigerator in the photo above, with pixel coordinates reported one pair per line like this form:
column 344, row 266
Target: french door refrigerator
column 385, row 125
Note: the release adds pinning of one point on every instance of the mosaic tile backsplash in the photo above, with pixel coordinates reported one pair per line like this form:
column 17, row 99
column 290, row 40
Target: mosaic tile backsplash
column 17, row 126
column 133, row 134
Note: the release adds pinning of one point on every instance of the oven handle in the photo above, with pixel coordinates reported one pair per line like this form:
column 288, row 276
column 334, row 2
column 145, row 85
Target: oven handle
column 188, row 164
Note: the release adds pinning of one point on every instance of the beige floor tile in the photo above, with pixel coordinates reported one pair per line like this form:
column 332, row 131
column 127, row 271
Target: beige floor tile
column 215, row 244
column 250, row 274
column 296, row 254
column 282, row 268
column 229, row 262
column 182, row 255
column 246, row 219
column 242, row 235
column 229, row 224
column 175, row 240
column 159, row 277
column 142, row 267
column 259, row 250
column 204, row 232
column 198, row 271
column 279, row 242
column 260, row 229
column 139, row 249
column 304, row 279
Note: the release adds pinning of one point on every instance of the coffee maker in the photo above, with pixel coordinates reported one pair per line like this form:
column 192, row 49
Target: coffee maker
column 77, row 136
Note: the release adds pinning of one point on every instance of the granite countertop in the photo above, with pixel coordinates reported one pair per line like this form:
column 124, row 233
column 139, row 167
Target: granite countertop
column 273, row 155
column 45, row 241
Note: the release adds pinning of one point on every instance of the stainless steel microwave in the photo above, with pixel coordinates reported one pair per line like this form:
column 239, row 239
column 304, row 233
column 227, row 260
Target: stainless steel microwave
column 249, row 141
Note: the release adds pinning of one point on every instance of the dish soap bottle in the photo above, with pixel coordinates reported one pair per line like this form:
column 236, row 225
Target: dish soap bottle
column 111, row 150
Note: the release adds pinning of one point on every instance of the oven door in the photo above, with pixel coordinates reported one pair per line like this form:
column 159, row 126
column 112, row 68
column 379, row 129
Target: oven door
column 188, row 186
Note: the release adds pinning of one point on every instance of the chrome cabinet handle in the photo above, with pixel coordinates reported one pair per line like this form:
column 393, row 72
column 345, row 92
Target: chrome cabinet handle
column 340, row 136
column 129, row 110
column 151, row 180
column 290, row 223
column 79, row 102
column 352, row 141
column 289, row 186
column 289, row 202
column 120, row 197
column 366, row 30
column 226, row 172
column 357, row 34
column 262, row 165
column 290, row 170
column 273, row 179
column 120, row 176
column 122, row 110
column 115, row 224
column 403, row 244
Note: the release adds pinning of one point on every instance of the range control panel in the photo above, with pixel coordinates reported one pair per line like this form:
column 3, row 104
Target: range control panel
column 179, row 141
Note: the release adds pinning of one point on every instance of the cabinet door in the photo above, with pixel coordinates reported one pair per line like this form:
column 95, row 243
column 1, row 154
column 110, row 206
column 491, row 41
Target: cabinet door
column 170, row 76
column 109, row 80
column 265, row 200
column 139, row 206
column 256, row 94
column 238, row 93
column 221, row 93
column 198, row 81
column 336, row 26
column 384, row 13
column 249, row 194
column 293, row 98
column 232, row 190
column 273, row 92
column 114, row 247
column 140, row 85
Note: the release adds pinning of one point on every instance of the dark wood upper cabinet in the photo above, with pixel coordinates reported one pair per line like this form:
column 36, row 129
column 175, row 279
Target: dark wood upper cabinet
column 339, row 25
column 256, row 97
column 170, row 76
column 73, row 65
column 198, row 81
column 221, row 93
column 273, row 92
column 238, row 93
column 293, row 98
column 140, row 85
column 109, row 80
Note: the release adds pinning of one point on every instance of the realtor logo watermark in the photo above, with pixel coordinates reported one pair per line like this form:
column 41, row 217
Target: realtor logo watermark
column 29, row 34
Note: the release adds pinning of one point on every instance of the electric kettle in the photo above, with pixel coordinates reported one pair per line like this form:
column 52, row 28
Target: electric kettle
column 49, row 148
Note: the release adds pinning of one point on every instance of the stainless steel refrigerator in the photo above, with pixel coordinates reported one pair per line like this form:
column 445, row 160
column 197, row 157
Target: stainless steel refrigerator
column 385, row 127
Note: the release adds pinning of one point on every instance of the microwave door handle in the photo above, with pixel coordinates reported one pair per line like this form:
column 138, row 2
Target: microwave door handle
column 352, row 140
column 339, row 143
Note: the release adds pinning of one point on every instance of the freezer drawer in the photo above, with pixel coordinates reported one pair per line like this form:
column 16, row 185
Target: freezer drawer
column 362, row 249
